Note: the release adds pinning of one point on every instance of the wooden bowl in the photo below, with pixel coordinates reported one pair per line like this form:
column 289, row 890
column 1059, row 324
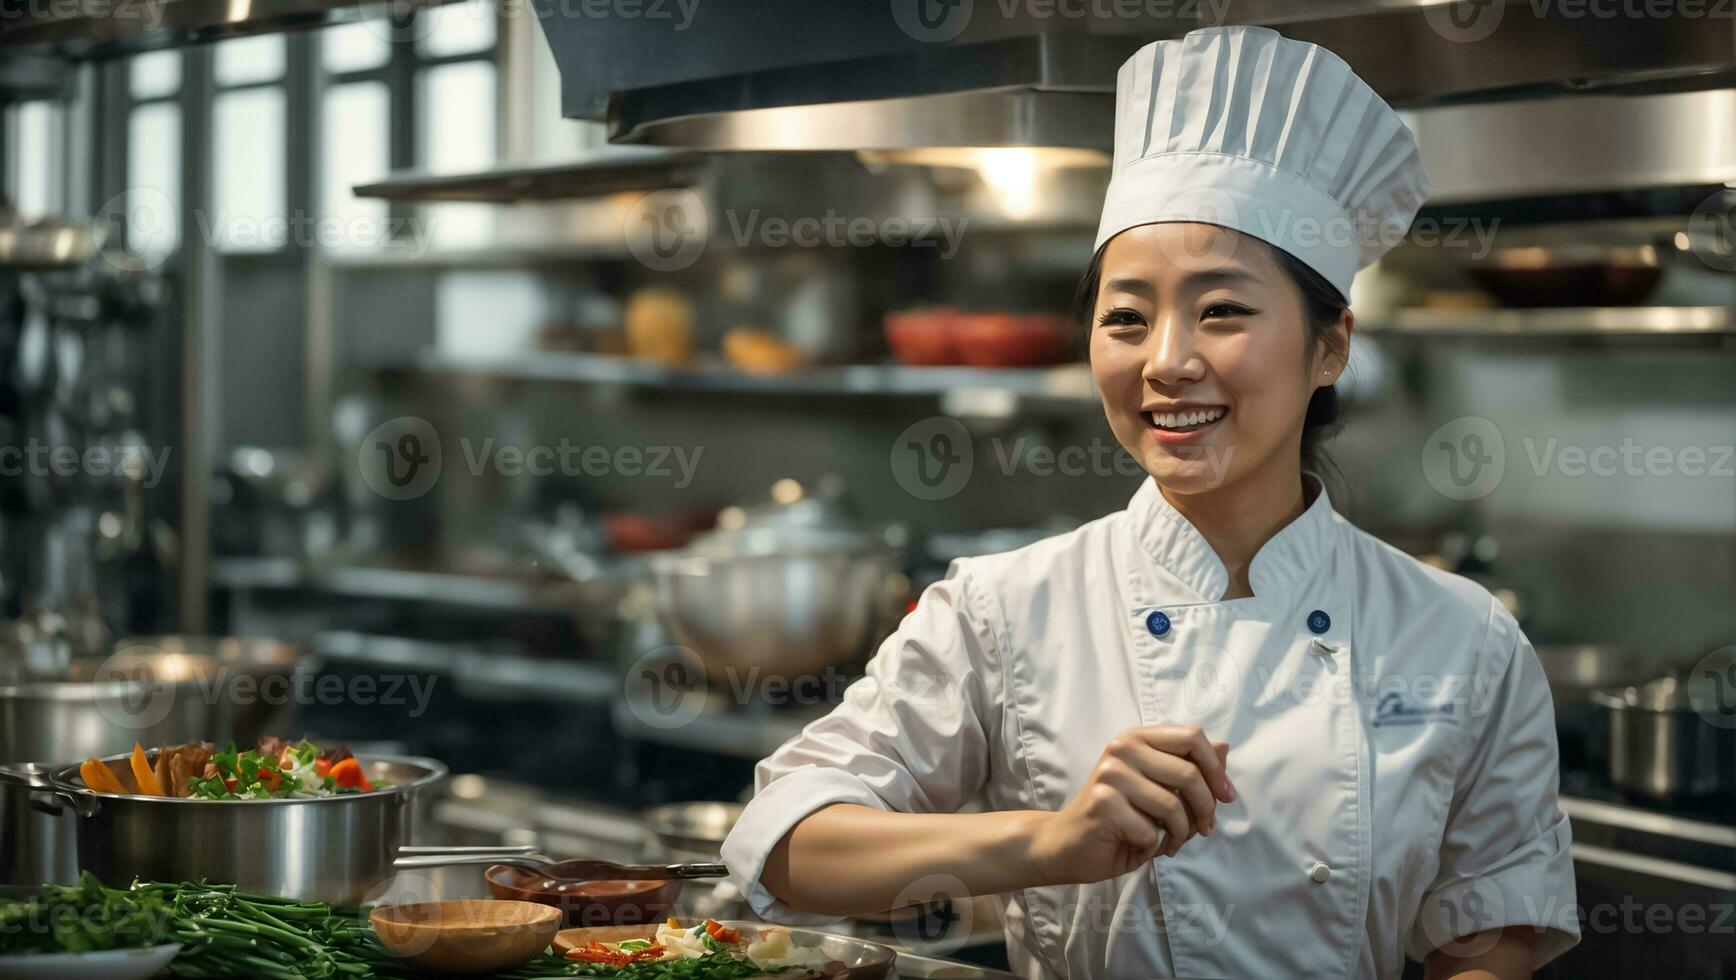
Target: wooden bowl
column 472, row 935
column 590, row 903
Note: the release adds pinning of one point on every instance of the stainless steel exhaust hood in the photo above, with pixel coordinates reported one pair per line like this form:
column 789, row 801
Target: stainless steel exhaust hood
column 804, row 75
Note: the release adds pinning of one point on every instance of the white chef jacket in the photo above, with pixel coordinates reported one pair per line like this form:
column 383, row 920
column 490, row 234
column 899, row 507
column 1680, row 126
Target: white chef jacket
column 1391, row 737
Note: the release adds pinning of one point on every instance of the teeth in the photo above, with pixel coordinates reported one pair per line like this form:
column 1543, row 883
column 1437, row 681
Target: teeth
column 1176, row 420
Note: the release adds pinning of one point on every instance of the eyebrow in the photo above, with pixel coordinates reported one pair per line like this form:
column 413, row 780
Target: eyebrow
column 1203, row 279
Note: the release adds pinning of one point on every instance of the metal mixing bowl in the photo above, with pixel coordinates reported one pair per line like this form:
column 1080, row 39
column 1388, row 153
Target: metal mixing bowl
column 777, row 615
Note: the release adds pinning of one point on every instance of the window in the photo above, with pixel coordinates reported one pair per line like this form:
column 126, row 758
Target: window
column 247, row 145
column 356, row 46
column 402, row 93
column 37, row 179
column 153, row 192
column 356, row 125
column 457, row 134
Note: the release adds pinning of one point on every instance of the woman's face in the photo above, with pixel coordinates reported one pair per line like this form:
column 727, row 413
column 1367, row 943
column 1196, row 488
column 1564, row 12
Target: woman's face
column 1200, row 351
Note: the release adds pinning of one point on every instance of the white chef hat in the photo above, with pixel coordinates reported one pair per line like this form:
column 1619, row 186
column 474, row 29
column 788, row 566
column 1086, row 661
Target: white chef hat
column 1245, row 128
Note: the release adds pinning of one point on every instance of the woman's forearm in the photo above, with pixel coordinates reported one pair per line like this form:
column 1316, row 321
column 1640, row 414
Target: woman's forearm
column 1510, row 954
column 847, row 859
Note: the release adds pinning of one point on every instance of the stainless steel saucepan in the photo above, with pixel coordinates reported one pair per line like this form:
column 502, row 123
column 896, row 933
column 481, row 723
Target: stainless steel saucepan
column 332, row 849
column 781, row 590
column 1668, row 739
column 153, row 690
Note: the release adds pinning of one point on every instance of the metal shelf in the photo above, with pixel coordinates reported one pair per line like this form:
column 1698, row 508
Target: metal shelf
column 1571, row 321
column 605, row 173
column 1070, row 382
column 508, row 256
column 743, row 734
column 474, row 591
column 483, row 672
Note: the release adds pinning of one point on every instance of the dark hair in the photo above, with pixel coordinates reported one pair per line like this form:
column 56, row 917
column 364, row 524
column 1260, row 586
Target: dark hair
column 1322, row 305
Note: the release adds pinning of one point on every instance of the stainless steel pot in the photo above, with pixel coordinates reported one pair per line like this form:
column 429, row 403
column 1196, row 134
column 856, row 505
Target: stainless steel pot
column 155, row 691
column 693, row 831
column 332, row 849
column 1662, row 742
column 37, row 840
column 780, row 615
column 1575, row 673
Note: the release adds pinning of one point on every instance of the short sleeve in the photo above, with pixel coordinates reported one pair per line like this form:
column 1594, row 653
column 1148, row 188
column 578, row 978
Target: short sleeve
column 911, row 735
column 1505, row 856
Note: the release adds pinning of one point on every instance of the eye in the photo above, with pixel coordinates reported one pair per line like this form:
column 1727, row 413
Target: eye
column 1121, row 316
column 1220, row 310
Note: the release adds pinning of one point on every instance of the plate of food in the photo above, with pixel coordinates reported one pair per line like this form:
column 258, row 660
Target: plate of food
column 712, row 950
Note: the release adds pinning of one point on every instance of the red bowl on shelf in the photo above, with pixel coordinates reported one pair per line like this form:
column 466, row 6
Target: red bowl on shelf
column 631, row 533
column 588, row 903
column 1011, row 339
column 922, row 337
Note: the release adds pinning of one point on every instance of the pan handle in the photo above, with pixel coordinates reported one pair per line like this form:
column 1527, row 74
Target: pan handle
column 54, row 802
column 416, row 862
column 45, row 797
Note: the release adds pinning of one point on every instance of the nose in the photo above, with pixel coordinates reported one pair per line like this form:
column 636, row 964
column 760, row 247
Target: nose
column 1173, row 359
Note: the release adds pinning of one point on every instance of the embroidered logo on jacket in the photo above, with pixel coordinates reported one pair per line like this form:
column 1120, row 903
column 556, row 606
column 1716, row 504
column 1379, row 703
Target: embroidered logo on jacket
column 1397, row 708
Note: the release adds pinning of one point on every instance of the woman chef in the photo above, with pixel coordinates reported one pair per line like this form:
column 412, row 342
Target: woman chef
column 1221, row 733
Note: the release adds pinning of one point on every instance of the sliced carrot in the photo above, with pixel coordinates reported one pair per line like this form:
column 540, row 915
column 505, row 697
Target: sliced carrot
column 148, row 785
column 99, row 777
column 349, row 773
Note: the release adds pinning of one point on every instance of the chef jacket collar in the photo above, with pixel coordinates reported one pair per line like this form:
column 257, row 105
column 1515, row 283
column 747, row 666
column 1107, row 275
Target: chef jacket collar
column 1283, row 562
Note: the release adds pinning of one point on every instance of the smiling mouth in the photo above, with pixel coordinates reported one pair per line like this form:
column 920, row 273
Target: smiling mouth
column 1191, row 420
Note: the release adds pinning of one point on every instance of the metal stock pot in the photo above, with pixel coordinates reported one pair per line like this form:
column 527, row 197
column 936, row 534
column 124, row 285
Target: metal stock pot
column 1663, row 742
column 332, row 849
column 153, row 690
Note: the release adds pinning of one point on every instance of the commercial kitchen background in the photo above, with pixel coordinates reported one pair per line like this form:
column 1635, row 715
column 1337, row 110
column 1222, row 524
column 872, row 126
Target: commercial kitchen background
column 1543, row 388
